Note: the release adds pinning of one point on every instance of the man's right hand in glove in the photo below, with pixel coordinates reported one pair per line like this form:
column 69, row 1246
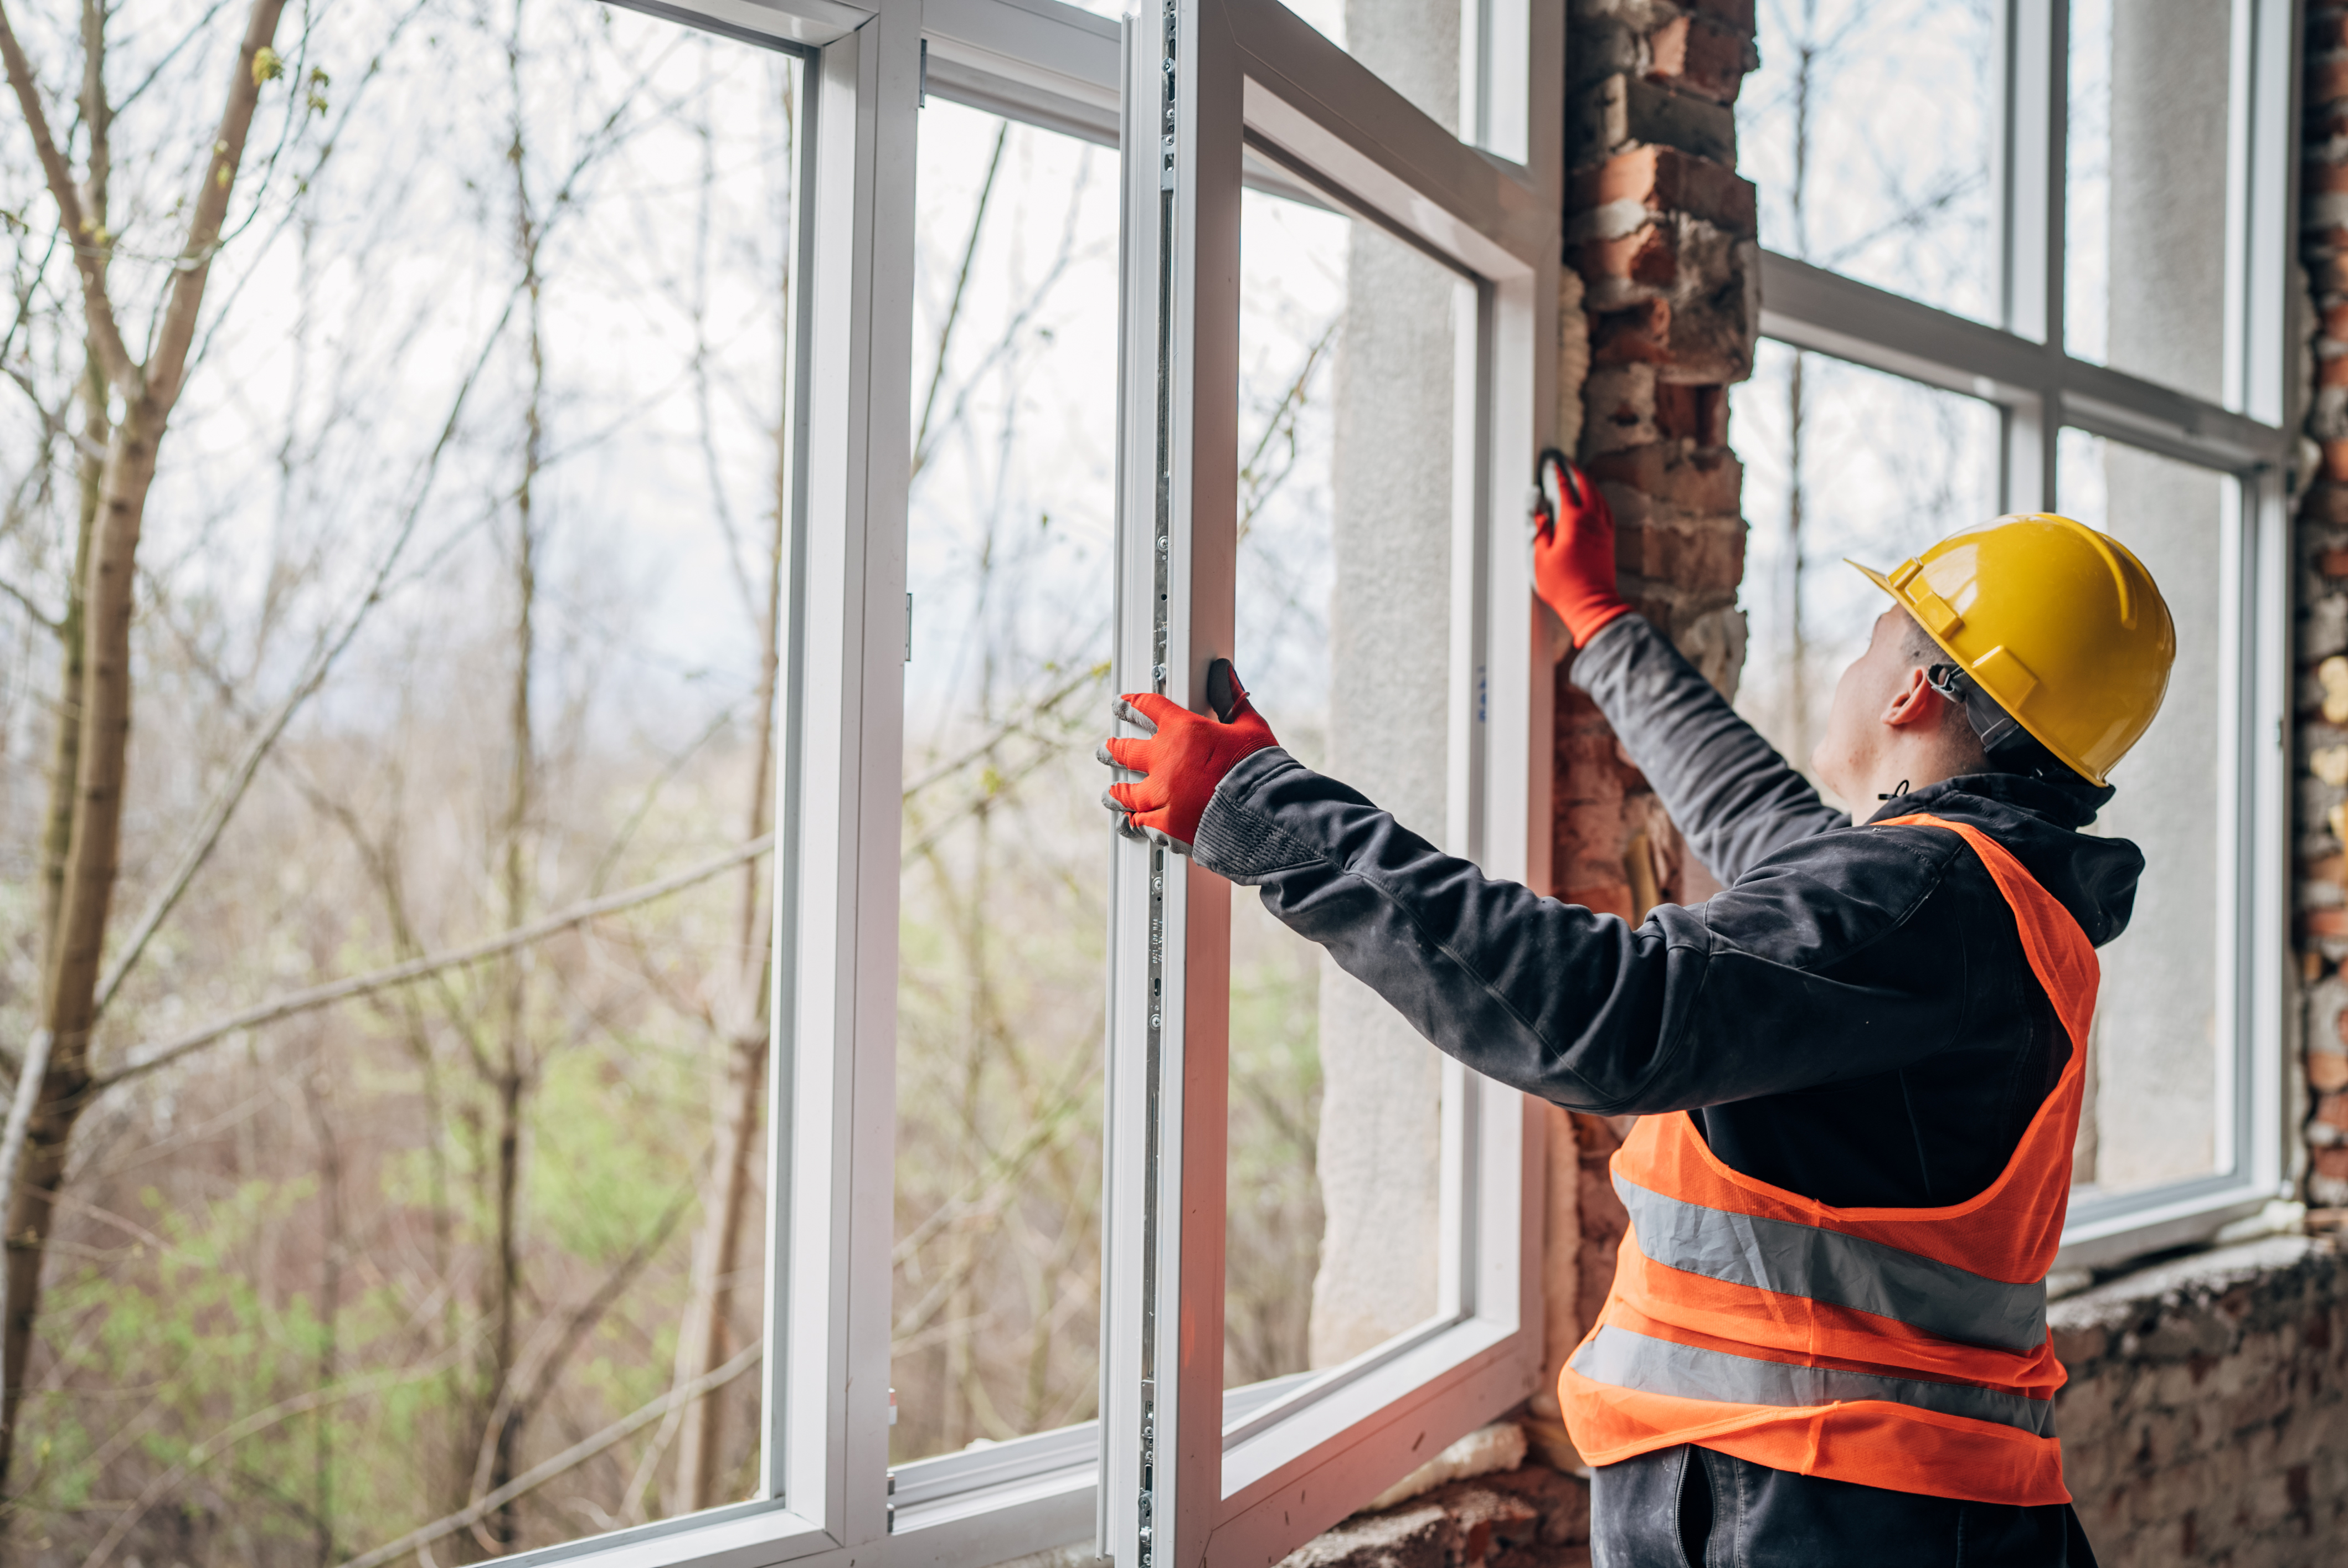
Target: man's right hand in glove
column 1573, row 551
column 1182, row 759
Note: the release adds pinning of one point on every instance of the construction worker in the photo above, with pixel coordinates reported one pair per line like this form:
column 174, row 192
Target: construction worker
column 1857, row 1069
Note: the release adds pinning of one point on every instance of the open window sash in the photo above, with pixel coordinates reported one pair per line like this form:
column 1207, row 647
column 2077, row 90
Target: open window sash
column 1189, row 1473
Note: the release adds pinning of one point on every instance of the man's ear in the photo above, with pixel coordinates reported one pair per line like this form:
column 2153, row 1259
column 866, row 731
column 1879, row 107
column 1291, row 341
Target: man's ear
column 1914, row 703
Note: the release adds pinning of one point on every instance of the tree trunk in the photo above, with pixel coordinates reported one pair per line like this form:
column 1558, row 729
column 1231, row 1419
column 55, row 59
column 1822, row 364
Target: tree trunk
column 65, row 755
column 86, row 886
column 515, row 1070
column 742, row 1090
column 700, row 1443
column 506, row 1414
column 330, row 1303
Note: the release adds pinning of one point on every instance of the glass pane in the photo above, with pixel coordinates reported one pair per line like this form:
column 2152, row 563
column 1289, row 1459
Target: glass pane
column 1000, row 968
column 1839, row 461
column 1870, row 129
column 1463, row 64
column 519, row 347
column 2144, row 281
column 2160, row 1068
column 1341, row 632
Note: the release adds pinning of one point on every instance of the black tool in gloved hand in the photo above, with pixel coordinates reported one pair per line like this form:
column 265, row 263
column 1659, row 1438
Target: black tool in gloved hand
column 1223, row 694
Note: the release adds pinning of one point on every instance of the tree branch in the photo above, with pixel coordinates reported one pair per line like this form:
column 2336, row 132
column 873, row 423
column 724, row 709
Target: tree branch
column 953, row 307
column 219, row 1442
column 329, row 648
column 333, row 991
column 570, row 1459
column 20, row 1121
column 54, row 625
column 90, row 249
column 520, row 1406
column 169, row 360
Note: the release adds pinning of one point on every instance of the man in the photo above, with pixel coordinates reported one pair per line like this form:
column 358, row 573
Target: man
column 1858, row 1068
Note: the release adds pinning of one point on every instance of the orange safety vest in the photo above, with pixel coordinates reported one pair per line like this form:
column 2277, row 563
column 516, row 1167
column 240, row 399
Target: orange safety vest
column 1904, row 1348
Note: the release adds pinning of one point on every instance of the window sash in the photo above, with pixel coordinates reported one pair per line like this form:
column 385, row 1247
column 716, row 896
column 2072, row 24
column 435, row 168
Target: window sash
column 2041, row 390
column 1177, row 1456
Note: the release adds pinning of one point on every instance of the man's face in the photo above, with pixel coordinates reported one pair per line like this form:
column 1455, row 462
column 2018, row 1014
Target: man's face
column 1844, row 758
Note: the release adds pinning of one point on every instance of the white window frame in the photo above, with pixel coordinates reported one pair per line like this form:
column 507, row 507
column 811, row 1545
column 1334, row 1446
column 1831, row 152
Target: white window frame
column 2021, row 366
column 827, row 1496
column 1191, row 1474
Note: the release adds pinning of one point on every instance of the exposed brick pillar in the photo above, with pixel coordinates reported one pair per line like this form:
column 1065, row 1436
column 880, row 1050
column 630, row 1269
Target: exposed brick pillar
column 1665, row 266
column 2323, row 582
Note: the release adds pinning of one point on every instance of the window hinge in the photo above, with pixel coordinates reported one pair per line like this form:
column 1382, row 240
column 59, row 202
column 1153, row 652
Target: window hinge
column 909, row 658
column 921, row 97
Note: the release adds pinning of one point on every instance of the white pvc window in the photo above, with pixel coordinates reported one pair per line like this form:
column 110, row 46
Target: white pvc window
column 1194, row 1471
column 2032, row 255
column 996, row 242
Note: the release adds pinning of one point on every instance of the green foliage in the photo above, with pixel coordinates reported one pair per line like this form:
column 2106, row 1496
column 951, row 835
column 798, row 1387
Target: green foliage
column 179, row 1339
column 606, row 1158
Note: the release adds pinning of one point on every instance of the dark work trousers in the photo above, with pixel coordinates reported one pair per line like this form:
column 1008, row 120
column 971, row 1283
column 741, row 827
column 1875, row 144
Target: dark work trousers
column 1688, row 1507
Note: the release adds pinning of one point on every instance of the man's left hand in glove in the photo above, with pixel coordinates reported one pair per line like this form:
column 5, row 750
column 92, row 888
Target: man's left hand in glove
column 1181, row 759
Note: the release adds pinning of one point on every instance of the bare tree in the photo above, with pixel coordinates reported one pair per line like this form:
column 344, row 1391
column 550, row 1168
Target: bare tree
column 98, row 693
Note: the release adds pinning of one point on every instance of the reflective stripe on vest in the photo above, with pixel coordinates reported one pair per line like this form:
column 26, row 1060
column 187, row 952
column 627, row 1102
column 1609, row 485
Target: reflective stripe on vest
column 1630, row 1360
column 1894, row 1347
column 1847, row 1270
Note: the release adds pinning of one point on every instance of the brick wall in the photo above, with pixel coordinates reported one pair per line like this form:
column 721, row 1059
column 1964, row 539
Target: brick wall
column 2206, row 1417
column 2323, row 579
column 1661, row 243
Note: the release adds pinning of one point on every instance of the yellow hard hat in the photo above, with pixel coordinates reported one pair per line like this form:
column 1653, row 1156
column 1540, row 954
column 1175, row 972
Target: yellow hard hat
column 2057, row 622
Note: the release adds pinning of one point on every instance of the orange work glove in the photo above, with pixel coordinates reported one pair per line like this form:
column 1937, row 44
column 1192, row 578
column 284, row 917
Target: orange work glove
column 1181, row 759
column 1573, row 550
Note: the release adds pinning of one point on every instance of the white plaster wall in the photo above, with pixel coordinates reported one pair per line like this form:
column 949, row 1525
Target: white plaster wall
column 1389, row 662
column 2157, row 1026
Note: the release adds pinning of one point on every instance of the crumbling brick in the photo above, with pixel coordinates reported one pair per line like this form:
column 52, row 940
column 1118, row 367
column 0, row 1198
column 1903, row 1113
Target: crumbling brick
column 1699, row 56
column 1530, row 1517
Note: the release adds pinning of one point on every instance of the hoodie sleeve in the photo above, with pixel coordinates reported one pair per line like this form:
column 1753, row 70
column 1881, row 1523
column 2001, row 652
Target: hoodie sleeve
column 1735, row 798
column 1581, row 1008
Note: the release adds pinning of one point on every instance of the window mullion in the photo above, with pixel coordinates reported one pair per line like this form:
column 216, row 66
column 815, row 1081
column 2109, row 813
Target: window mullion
column 2035, row 114
column 829, row 1373
column 2265, row 96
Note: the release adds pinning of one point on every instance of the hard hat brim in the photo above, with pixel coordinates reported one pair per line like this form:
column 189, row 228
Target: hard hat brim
column 1901, row 599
